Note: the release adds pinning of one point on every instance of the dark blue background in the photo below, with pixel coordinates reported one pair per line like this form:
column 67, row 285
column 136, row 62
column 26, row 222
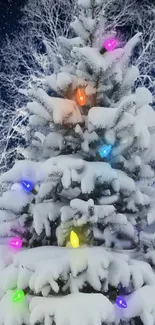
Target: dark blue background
column 10, row 15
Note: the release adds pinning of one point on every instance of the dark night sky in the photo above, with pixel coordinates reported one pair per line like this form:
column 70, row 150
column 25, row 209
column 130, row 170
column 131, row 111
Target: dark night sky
column 10, row 15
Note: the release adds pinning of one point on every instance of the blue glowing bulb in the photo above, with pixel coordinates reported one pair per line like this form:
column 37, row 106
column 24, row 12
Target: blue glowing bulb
column 27, row 186
column 105, row 150
column 121, row 302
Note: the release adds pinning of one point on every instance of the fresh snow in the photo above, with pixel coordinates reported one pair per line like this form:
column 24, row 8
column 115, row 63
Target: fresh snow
column 96, row 61
column 59, row 109
column 39, row 110
column 72, row 309
column 43, row 213
column 13, row 313
column 15, row 200
column 143, row 97
column 23, row 169
column 40, row 266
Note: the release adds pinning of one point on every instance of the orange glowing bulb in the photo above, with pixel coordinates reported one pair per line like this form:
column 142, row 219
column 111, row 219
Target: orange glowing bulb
column 81, row 97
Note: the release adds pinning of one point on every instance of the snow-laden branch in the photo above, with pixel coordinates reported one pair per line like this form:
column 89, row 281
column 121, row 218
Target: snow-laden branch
column 41, row 268
column 128, row 17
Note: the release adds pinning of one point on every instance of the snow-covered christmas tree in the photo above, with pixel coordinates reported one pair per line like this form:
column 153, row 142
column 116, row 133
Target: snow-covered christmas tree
column 73, row 220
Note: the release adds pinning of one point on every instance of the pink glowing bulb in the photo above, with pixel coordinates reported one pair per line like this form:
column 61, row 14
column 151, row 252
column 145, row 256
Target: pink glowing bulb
column 16, row 243
column 110, row 44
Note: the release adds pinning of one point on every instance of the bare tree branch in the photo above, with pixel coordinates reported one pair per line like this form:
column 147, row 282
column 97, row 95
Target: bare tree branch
column 25, row 61
column 128, row 17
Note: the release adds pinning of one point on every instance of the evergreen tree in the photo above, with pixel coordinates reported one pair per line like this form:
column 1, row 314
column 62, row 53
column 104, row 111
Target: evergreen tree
column 82, row 198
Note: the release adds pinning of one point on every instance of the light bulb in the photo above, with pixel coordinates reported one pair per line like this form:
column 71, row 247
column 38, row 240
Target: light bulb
column 110, row 44
column 81, row 97
column 74, row 239
column 27, row 185
column 18, row 296
column 121, row 302
column 105, row 150
column 15, row 243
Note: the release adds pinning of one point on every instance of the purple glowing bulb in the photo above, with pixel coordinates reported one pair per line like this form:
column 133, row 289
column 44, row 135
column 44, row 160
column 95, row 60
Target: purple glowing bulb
column 121, row 302
column 16, row 243
column 27, row 185
column 110, row 44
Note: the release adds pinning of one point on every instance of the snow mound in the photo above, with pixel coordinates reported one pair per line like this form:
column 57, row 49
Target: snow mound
column 141, row 303
column 72, row 309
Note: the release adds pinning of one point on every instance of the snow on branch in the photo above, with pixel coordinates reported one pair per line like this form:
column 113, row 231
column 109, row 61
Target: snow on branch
column 87, row 211
column 75, row 309
column 42, row 214
column 41, row 268
column 94, row 308
column 138, row 272
column 23, row 169
column 140, row 19
column 58, row 110
column 141, row 303
column 95, row 60
column 12, row 315
column 15, row 200
column 132, row 113
column 96, row 172
column 69, row 169
column 107, row 118
column 130, row 45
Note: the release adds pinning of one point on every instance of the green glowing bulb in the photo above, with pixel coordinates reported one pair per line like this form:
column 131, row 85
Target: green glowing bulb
column 18, row 296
